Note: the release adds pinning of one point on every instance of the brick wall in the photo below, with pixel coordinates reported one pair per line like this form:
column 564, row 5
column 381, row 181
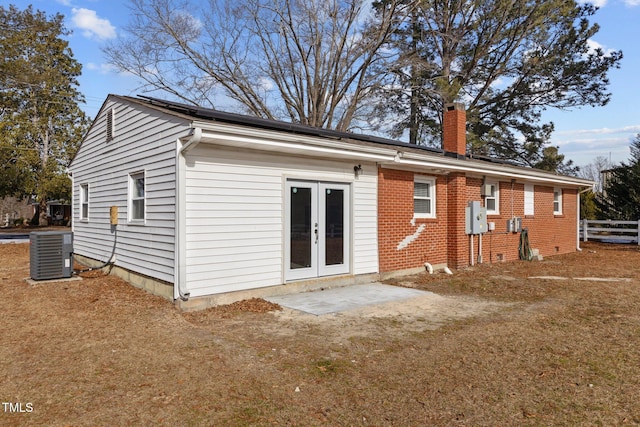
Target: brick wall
column 500, row 245
column 443, row 239
column 396, row 223
column 551, row 234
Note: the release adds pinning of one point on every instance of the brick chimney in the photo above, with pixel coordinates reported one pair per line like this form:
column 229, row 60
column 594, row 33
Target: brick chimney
column 454, row 132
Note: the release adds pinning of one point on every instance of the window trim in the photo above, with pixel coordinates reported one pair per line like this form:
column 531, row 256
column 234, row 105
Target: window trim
column 495, row 197
column 84, row 200
column 133, row 177
column 557, row 191
column 432, row 197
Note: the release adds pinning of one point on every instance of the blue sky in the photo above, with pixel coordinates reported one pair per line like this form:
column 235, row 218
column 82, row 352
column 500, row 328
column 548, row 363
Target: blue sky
column 582, row 134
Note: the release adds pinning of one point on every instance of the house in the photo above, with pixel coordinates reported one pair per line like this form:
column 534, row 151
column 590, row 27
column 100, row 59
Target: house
column 58, row 212
column 545, row 204
column 14, row 210
column 206, row 207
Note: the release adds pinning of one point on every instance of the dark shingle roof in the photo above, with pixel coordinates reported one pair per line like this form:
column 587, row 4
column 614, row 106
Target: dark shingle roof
column 258, row 122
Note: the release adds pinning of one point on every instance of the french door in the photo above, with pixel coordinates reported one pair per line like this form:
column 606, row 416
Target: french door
column 317, row 229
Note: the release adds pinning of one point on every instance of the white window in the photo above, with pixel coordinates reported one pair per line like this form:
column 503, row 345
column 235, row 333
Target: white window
column 424, row 197
column 136, row 197
column 492, row 197
column 84, row 201
column 557, row 201
column 528, row 199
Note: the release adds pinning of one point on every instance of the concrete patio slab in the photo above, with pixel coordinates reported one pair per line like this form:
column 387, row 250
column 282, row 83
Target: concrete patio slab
column 345, row 298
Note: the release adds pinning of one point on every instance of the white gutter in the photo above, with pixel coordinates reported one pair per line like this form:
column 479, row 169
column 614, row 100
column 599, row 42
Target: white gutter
column 259, row 139
column 294, row 147
column 194, row 139
column 73, row 201
column 483, row 168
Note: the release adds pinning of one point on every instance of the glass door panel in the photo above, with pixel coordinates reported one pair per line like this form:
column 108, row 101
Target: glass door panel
column 334, row 229
column 301, row 228
column 334, row 226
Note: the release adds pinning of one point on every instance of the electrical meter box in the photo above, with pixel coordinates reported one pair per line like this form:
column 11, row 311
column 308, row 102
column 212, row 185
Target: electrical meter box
column 475, row 218
column 514, row 225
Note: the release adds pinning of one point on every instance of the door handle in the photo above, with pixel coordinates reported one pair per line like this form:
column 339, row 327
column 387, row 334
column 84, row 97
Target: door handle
column 316, row 232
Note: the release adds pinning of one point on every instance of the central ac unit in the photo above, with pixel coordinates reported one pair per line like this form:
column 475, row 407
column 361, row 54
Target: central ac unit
column 51, row 254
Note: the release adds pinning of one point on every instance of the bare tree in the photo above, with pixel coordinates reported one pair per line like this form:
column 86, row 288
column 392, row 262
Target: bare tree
column 593, row 170
column 306, row 61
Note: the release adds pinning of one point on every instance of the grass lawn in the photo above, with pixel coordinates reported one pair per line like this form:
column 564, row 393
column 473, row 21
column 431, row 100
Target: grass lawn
column 550, row 352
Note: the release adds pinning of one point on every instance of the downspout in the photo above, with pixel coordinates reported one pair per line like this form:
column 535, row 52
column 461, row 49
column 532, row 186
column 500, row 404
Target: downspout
column 578, row 248
column 73, row 201
column 194, row 138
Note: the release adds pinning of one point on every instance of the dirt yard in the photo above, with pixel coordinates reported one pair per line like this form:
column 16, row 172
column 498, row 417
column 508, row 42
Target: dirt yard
column 495, row 347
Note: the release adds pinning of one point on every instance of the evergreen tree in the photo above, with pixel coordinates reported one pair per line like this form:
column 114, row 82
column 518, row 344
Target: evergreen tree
column 552, row 161
column 41, row 124
column 507, row 60
column 620, row 198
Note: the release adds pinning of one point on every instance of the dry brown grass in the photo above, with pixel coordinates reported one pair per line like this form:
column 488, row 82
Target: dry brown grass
column 100, row 352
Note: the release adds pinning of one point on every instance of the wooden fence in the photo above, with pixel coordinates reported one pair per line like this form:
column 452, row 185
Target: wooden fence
column 610, row 231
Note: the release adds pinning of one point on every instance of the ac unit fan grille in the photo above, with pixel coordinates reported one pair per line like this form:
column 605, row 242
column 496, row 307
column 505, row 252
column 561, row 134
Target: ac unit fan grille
column 51, row 255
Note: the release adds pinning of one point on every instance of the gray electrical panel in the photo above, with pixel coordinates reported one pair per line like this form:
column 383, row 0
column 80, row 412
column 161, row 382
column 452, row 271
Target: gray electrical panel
column 51, row 254
column 475, row 218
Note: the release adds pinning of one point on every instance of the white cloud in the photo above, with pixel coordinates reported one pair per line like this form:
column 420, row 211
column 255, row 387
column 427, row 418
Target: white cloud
column 598, row 3
column 593, row 142
column 593, row 45
column 602, row 131
column 632, row 3
column 102, row 68
column 583, row 150
column 92, row 26
column 266, row 83
column 584, row 145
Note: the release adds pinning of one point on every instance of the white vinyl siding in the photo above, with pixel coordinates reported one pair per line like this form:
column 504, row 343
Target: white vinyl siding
column 146, row 142
column 235, row 216
column 529, row 204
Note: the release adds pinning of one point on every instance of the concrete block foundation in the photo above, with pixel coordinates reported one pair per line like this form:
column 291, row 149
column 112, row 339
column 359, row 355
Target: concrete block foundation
column 149, row 284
